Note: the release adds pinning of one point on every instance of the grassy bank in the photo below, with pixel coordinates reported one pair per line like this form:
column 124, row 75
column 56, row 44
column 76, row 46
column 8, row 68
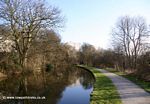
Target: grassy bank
column 143, row 84
column 104, row 91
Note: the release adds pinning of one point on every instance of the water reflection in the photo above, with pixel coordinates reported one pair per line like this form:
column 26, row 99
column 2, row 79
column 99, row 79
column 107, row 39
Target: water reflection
column 58, row 87
column 75, row 94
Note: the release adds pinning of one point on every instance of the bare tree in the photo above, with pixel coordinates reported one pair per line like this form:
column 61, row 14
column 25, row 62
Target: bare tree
column 24, row 19
column 130, row 33
column 87, row 52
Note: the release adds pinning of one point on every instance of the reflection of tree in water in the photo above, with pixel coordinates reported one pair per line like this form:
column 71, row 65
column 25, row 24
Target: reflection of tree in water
column 85, row 77
column 51, row 85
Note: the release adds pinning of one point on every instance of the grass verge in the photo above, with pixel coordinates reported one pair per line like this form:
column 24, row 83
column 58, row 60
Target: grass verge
column 104, row 91
column 143, row 84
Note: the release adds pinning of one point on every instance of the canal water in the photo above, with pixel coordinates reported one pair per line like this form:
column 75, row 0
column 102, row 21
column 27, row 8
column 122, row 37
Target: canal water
column 70, row 86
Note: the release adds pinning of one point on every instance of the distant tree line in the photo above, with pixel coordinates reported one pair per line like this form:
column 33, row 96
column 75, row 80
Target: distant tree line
column 130, row 52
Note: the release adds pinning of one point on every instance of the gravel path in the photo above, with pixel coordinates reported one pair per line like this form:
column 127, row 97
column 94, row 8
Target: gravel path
column 129, row 92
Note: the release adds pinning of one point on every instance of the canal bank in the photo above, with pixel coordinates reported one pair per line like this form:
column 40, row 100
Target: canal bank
column 104, row 92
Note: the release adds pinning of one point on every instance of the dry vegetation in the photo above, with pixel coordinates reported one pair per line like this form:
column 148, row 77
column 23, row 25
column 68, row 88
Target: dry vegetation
column 28, row 38
column 29, row 42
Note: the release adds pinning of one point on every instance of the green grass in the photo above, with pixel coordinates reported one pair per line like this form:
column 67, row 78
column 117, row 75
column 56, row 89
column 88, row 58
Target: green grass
column 104, row 91
column 143, row 84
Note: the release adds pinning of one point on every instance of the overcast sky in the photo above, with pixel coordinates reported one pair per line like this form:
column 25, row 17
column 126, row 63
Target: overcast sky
column 91, row 21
